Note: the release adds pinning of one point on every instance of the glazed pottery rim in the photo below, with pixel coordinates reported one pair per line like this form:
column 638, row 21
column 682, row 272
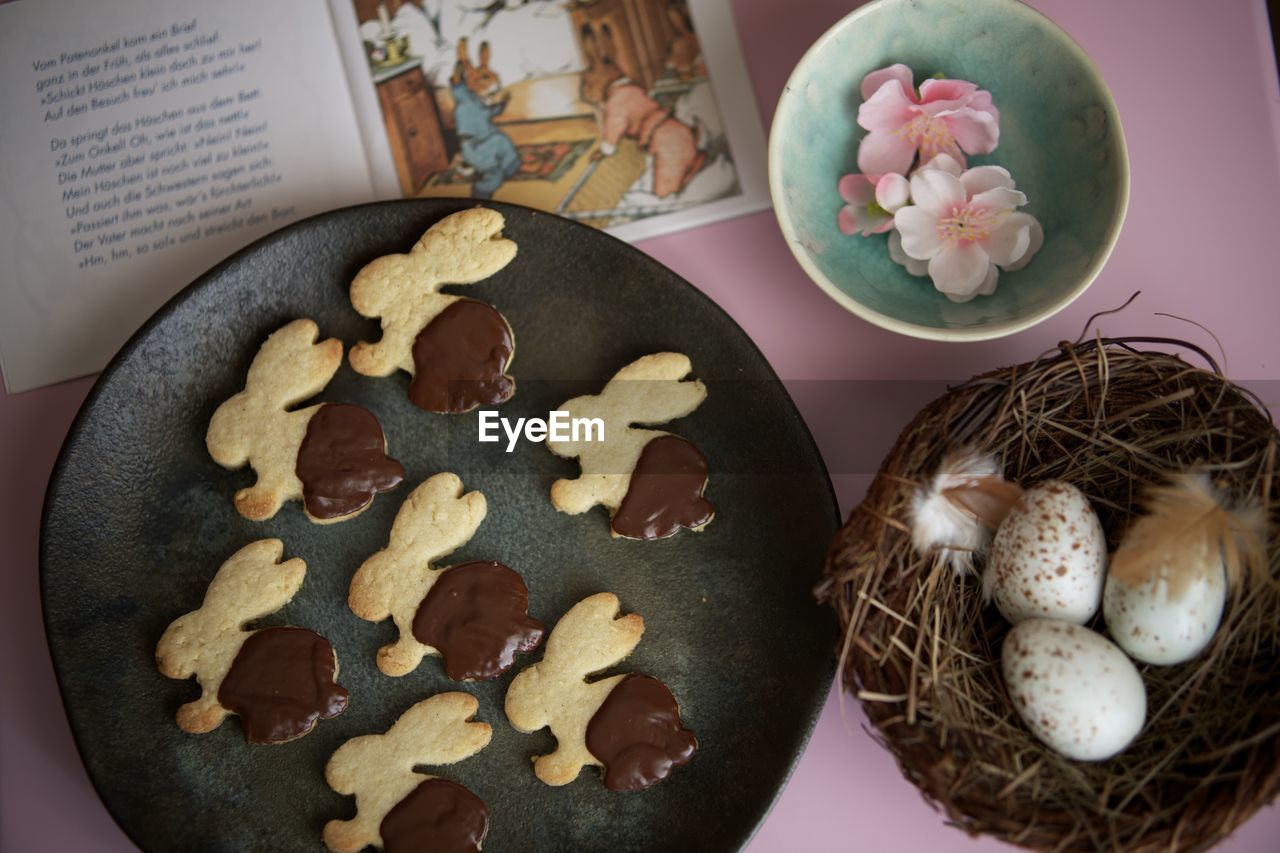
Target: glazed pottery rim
column 935, row 333
column 806, row 725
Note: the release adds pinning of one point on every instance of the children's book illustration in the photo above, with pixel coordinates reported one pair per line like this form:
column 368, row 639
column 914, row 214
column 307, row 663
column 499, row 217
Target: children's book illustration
column 599, row 110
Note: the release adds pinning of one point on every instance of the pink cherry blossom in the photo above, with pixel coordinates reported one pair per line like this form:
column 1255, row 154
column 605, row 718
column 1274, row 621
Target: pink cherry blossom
column 870, row 203
column 964, row 226
column 947, row 117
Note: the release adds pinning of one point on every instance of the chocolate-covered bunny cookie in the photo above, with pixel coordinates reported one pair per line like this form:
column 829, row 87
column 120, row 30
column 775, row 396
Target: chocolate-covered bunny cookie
column 652, row 482
column 333, row 455
column 457, row 350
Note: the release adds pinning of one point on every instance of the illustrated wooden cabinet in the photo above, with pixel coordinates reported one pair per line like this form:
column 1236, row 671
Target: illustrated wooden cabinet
column 414, row 128
column 639, row 31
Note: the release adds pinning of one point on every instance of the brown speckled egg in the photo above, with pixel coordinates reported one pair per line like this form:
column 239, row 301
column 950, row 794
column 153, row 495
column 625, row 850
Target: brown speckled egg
column 1156, row 626
column 1074, row 689
column 1049, row 557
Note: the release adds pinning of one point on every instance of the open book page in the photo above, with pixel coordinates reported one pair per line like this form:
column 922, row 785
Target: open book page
column 146, row 141
column 631, row 115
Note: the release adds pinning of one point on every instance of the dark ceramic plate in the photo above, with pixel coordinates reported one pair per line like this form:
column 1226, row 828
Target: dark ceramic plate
column 138, row 518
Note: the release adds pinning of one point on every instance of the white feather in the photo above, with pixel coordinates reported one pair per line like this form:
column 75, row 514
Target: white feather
column 940, row 522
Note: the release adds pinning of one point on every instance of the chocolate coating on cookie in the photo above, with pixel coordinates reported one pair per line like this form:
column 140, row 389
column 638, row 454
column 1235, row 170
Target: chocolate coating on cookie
column 637, row 734
column 438, row 815
column 460, row 357
column 665, row 491
column 281, row 682
column 476, row 616
column 343, row 461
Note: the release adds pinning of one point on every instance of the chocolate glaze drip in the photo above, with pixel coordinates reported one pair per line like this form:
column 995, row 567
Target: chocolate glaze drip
column 665, row 492
column 281, row 682
column 459, row 359
column 439, row 816
column 343, row 461
column 637, row 734
column 476, row 615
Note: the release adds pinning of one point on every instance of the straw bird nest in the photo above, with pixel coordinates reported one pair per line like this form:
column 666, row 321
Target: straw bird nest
column 922, row 652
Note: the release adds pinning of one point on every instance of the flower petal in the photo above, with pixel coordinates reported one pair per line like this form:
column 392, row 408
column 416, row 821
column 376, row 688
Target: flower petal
column 977, row 132
column 958, row 270
column 1009, row 239
column 856, row 189
column 847, row 220
column 999, row 198
column 981, row 101
column 987, row 287
column 893, row 192
column 945, row 163
column 937, row 192
column 899, row 72
column 888, row 108
column 882, row 152
column 938, row 95
column 979, row 179
column 919, row 232
column 916, row 268
column 1035, row 233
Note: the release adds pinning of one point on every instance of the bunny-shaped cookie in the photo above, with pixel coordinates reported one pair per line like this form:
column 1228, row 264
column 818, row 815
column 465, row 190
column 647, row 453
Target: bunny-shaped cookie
column 333, row 456
column 279, row 680
column 457, row 350
column 651, row 481
column 628, row 724
column 398, row 806
column 473, row 614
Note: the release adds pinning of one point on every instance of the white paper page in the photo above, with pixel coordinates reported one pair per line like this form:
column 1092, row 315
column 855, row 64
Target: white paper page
column 145, row 141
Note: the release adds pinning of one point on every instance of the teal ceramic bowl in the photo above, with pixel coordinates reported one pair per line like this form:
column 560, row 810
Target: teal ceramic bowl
column 1060, row 137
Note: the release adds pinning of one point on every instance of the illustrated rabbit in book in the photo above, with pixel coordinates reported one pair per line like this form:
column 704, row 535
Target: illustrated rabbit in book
column 625, row 110
column 627, row 724
column 457, row 350
column 485, row 149
column 332, row 455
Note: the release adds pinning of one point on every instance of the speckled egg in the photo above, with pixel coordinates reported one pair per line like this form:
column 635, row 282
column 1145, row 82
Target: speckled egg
column 1155, row 626
column 1049, row 557
column 1074, row 689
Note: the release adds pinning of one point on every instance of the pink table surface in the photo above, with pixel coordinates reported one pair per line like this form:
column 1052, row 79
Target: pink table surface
column 1195, row 83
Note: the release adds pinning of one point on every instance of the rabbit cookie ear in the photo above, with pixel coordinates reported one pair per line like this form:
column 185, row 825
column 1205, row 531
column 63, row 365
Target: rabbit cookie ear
column 632, row 463
column 484, row 55
column 231, row 664
column 554, row 692
column 379, row 769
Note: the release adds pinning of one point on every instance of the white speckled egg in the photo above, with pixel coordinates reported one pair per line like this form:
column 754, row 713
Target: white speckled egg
column 1156, row 627
column 1074, row 689
column 1049, row 557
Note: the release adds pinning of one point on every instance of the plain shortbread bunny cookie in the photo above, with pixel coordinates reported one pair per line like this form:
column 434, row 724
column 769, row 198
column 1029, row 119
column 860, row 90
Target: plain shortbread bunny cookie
column 251, row 584
column 436, row 519
column 404, row 290
column 379, row 769
column 651, row 390
column 554, row 692
column 255, row 427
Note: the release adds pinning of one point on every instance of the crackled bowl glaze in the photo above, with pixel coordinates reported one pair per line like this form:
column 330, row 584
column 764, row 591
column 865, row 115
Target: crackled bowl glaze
column 1060, row 137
